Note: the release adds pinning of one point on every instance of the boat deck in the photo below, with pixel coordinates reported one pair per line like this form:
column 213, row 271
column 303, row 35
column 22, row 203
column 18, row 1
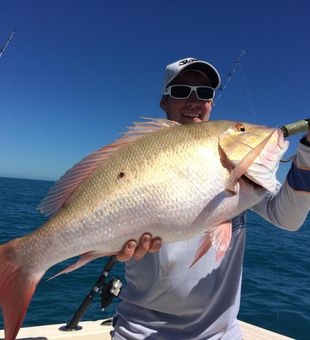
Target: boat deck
column 93, row 330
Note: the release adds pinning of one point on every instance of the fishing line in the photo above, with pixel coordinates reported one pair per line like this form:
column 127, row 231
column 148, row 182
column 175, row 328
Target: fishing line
column 228, row 79
column 288, row 160
column 7, row 43
column 247, row 91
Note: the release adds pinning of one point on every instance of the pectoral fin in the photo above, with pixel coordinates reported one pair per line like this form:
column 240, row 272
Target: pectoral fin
column 219, row 237
column 245, row 163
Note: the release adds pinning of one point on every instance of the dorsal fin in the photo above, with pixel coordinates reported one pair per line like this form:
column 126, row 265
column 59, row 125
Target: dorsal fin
column 66, row 185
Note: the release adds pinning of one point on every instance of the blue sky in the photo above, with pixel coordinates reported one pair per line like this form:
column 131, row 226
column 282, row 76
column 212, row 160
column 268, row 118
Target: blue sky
column 78, row 72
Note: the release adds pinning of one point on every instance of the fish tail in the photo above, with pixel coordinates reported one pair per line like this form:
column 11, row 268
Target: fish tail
column 16, row 289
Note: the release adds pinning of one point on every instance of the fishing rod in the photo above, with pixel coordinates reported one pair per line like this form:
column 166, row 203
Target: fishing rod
column 106, row 290
column 7, row 43
column 228, row 78
column 296, row 127
column 292, row 129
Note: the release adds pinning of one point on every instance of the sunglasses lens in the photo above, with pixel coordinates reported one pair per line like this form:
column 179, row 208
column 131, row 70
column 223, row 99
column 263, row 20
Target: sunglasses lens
column 184, row 91
column 180, row 91
column 206, row 93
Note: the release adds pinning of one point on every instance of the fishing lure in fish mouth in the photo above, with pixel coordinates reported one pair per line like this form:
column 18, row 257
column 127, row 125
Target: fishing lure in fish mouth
column 173, row 181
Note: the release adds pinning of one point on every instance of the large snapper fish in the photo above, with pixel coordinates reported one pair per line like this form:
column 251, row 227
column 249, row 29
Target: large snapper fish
column 173, row 181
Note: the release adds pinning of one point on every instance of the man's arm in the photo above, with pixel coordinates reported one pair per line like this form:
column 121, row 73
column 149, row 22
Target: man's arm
column 289, row 207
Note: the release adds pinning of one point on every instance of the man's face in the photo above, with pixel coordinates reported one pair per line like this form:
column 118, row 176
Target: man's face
column 192, row 109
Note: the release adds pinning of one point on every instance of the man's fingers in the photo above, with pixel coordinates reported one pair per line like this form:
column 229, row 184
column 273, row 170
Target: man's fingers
column 155, row 245
column 143, row 246
column 146, row 244
column 127, row 251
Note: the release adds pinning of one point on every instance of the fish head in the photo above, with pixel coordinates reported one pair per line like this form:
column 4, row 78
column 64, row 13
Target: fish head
column 252, row 151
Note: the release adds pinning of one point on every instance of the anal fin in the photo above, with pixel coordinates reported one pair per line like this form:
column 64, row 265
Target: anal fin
column 219, row 237
column 205, row 245
column 84, row 259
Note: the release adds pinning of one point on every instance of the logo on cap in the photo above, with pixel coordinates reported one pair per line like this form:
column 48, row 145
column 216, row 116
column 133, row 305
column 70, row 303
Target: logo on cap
column 186, row 61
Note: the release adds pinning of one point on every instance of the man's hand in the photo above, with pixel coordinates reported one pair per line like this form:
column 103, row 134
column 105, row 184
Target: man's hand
column 145, row 245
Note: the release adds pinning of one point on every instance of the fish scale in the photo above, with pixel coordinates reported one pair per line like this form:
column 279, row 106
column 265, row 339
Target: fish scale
column 160, row 179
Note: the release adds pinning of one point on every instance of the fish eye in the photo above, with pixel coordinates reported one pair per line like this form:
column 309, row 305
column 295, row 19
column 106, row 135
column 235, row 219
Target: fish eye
column 240, row 127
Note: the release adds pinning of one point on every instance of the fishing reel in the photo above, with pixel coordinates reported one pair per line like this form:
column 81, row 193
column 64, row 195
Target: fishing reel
column 107, row 291
column 110, row 290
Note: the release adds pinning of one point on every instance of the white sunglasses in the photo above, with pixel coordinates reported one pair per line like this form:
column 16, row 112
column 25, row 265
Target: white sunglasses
column 184, row 92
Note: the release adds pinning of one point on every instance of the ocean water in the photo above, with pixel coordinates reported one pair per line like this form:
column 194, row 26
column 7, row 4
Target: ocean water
column 275, row 289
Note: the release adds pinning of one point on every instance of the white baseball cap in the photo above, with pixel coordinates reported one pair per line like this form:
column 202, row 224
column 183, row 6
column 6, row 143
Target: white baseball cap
column 172, row 70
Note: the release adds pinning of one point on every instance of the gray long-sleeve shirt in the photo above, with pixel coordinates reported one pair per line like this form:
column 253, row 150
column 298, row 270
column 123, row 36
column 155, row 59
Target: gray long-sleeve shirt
column 164, row 299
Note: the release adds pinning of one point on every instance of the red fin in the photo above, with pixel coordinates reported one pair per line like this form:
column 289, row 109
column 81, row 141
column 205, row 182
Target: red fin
column 67, row 184
column 16, row 290
column 84, row 259
column 219, row 237
column 204, row 247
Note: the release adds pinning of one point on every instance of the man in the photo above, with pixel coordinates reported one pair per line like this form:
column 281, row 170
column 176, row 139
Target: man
column 164, row 299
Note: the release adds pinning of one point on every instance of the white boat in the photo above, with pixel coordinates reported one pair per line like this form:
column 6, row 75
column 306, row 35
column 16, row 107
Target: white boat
column 100, row 330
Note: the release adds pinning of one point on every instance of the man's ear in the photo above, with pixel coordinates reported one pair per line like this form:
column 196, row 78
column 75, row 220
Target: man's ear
column 163, row 103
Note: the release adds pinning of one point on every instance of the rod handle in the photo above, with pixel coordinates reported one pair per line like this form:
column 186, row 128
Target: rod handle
column 296, row 127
